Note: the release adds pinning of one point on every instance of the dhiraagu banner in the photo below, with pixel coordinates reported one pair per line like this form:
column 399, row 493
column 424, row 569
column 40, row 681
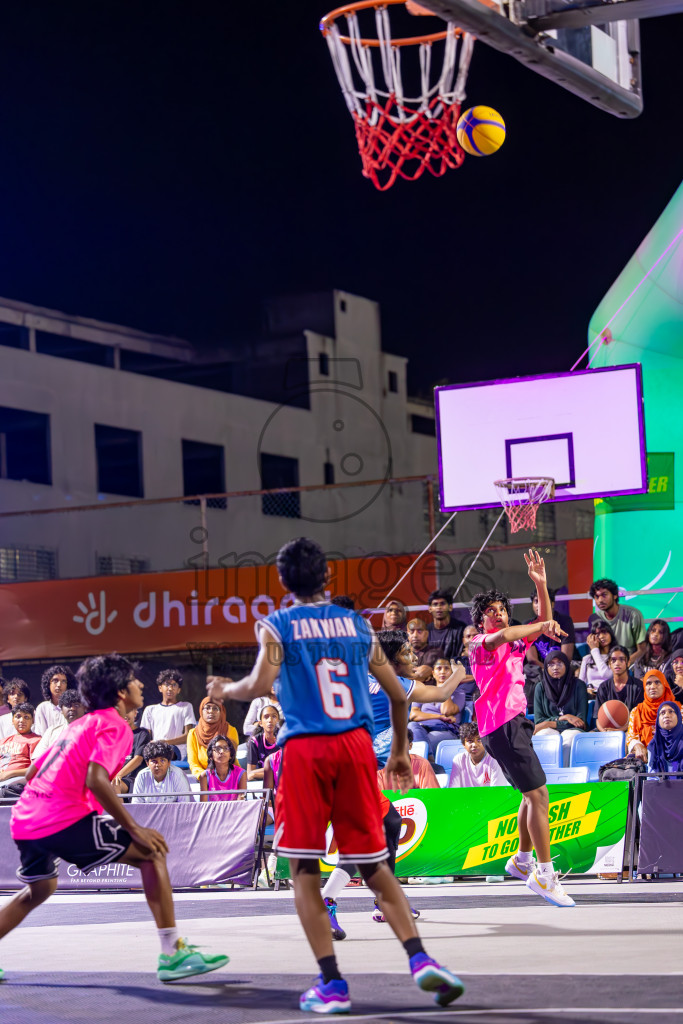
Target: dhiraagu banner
column 474, row 831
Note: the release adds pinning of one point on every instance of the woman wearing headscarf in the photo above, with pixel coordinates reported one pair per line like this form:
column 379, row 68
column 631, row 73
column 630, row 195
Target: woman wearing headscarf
column 560, row 701
column 674, row 674
column 665, row 750
column 643, row 718
column 212, row 722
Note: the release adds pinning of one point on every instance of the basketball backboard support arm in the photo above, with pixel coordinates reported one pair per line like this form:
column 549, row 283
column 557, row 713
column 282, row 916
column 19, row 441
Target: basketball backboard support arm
column 541, row 54
column 597, row 14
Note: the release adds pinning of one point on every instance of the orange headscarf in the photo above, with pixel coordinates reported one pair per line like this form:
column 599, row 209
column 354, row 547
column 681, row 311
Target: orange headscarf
column 645, row 714
column 205, row 732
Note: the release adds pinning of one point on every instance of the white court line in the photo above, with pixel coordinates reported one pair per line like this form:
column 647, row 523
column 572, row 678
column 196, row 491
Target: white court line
column 462, row 1011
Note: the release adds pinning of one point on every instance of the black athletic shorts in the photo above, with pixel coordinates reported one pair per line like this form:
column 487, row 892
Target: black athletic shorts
column 510, row 745
column 89, row 842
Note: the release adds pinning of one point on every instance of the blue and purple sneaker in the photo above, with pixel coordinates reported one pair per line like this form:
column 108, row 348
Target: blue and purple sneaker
column 330, row 997
column 432, row 977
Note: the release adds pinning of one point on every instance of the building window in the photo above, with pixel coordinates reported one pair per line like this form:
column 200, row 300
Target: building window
column 585, row 522
column 65, row 347
column 204, row 471
column 342, row 305
column 13, row 336
column 423, row 425
column 280, row 471
column 119, row 461
column 545, row 524
column 328, row 472
column 23, row 564
column 393, row 381
column 323, row 364
column 25, row 446
column 120, row 565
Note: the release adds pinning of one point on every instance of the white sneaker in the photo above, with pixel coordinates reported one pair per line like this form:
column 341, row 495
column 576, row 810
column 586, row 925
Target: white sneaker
column 518, row 869
column 550, row 888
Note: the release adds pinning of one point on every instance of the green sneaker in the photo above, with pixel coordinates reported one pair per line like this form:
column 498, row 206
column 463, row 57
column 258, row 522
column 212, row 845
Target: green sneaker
column 187, row 961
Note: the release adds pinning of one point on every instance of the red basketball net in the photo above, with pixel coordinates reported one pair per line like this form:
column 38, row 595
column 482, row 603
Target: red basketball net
column 521, row 497
column 399, row 135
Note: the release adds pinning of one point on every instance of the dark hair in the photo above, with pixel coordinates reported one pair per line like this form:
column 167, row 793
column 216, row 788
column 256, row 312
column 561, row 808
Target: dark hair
column 170, row 675
column 15, row 685
column 441, row 595
column 265, row 707
column 480, row 603
column 49, row 673
column 211, row 767
column 551, row 595
column 600, row 626
column 647, row 654
column 101, row 678
column 69, row 699
column 157, row 748
column 622, row 650
column 604, row 585
column 303, row 567
column 410, row 735
column 342, row 601
column 468, row 731
column 26, row 707
column 392, row 642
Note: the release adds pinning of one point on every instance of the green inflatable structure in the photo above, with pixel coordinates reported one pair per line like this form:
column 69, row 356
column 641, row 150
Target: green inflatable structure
column 639, row 538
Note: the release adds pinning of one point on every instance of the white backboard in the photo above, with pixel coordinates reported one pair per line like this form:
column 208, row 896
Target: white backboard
column 584, row 429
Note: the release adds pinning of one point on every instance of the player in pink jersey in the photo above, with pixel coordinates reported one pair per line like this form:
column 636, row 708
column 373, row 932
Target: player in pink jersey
column 496, row 659
column 59, row 814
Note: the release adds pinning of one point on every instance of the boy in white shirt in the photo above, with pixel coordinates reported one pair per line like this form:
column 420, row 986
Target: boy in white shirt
column 171, row 720
column 473, row 766
column 160, row 778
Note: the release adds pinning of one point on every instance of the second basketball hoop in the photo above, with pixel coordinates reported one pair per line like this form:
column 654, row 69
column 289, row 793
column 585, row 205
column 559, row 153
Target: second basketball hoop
column 405, row 113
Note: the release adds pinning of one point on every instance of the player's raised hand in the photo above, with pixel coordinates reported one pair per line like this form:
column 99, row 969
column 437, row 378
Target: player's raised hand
column 553, row 629
column 216, row 686
column 535, row 566
column 399, row 771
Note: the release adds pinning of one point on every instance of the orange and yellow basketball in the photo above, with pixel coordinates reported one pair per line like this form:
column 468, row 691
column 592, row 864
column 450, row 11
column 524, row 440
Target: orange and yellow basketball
column 481, row 131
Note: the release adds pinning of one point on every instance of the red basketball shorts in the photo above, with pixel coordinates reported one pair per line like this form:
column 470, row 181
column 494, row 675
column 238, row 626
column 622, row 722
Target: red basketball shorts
column 330, row 779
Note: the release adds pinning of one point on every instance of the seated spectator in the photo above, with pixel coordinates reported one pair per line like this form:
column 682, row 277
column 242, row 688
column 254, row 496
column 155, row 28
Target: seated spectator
column 171, row 720
column 434, row 722
column 124, row 780
column 255, row 708
column 272, row 766
column 622, row 686
column 657, row 653
column 72, row 708
column 560, row 701
column 222, row 773
column 160, row 778
column 394, row 615
column 674, row 674
column 418, row 642
column 16, row 749
column 424, row 775
column 539, row 648
column 445, row 631
column 665, row 749
column 54, row 681
column 264, row 743
column 14, row 692
column 343, row 601
column 595, row 665
column 212, row 722
column 473, row 766
column 468, row 685
column 643, row 718
column 626, row 622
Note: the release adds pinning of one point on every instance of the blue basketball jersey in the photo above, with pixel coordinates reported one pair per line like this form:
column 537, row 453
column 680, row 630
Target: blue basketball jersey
column 323, row 684
column 381, row 705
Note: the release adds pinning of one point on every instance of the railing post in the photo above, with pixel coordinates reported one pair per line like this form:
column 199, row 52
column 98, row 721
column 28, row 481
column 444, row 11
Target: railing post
column 430, row 506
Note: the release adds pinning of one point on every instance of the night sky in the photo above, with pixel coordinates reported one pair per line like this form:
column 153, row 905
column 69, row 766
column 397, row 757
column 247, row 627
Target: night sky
column 169, row 165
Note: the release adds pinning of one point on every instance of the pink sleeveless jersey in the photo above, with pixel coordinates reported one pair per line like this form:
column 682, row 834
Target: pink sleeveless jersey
column 214, row 784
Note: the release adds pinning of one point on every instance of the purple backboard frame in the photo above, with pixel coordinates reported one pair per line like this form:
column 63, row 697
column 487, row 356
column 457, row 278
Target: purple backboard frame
column 569, row 438
column 547, row 376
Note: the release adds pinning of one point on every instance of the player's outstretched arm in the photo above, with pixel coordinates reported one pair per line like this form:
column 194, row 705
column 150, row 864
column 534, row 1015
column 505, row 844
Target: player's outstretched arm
column 437, row 693
column 529, row 632
column 260, row 680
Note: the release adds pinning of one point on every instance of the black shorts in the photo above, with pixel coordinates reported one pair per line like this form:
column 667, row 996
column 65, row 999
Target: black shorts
column 92, row 841
column 510, row 745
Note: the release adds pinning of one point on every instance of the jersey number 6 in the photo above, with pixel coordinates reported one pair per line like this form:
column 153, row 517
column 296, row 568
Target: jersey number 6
column 336, row 696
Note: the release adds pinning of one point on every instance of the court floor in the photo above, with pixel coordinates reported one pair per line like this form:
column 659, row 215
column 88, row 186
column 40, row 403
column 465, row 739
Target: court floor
column 91, row 957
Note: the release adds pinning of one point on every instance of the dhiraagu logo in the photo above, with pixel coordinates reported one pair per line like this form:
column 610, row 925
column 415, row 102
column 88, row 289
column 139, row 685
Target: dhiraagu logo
column 568, row 820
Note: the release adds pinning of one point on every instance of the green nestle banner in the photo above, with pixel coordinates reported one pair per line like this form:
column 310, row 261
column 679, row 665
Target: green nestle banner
column 659, row 496
column 474, row 831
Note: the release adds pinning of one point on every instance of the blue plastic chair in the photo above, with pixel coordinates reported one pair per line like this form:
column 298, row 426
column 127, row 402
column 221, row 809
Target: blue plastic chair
column 594, row 749
column 446, row 752
column 556, row 776
column 420, row 747
column 591, row 714
column 466, row 715
column 548, row 747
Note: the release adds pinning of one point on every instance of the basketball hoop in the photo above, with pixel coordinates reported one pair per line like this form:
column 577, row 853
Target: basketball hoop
column 521, row 496
column 399, row 135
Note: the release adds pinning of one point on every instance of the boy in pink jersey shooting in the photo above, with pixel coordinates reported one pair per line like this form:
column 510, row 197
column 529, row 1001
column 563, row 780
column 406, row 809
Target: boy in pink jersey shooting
column 496, row 659
column 59, row 815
